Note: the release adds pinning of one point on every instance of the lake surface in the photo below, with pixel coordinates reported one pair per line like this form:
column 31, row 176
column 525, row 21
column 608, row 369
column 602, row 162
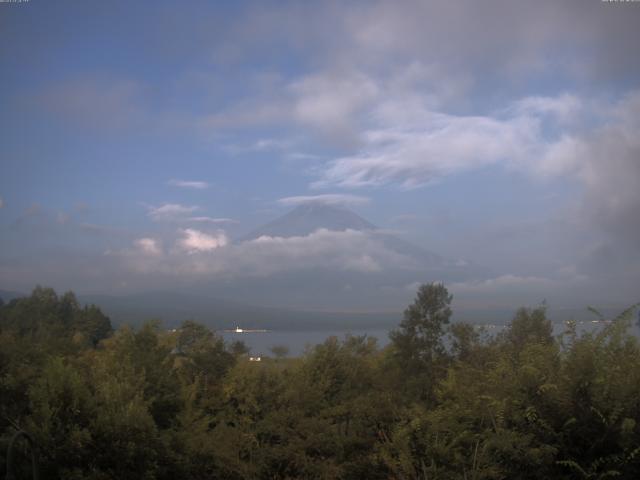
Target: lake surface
column 297, row 341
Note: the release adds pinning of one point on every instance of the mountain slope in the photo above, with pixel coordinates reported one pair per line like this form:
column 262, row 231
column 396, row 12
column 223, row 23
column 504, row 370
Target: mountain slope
column 307, row 218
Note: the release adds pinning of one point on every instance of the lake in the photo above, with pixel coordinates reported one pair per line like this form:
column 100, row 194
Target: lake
column 297, row 341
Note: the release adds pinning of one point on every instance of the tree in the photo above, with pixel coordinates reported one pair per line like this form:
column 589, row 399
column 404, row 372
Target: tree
column 418, row 342
column 420, row 335
column 464, row 338
column 530, row 326
column 238, row 348
column 280, row 351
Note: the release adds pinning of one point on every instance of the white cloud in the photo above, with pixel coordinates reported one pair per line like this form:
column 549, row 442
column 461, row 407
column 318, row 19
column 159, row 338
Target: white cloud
column 181, row 213
column 171, row 211
column 349, row 250
column 416, row 153
column 326, row 199
column 199, row 253
column 564, row 107
column 194, row 241
column 211, row 220
column 562, row 157
column 329, row 101
column 303, row 156
column 609, row 168
column 410, row 144
column 268, row 144
column 262, row 145
column 188, row 184
column 148, row 246
column 538, row 136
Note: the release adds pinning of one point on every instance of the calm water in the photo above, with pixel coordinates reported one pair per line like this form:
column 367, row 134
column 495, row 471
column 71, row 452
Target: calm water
column 297, row 341
column 260, row 343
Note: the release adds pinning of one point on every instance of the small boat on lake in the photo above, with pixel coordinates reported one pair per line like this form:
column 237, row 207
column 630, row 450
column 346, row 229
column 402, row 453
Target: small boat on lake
column 246, row 330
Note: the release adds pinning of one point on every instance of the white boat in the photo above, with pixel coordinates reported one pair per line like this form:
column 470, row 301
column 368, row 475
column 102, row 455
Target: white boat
column 246, row 330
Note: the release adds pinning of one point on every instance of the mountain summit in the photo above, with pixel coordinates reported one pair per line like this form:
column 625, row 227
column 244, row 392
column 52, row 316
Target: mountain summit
column 310, row 217
column 306, row 219
column 334, row 281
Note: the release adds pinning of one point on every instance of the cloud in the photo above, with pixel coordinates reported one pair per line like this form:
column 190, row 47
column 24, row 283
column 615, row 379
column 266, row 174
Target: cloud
column 329, row 101
column 211, row 220
column 513, row 289
column 413, row 145
column 204, row 254
column 195, row 241
column 564, row 107
column 326, row 199
column 171, row 211
column 1, row 202
column 188, row 184
column 262, row 145
column 181, row 213
column 148, row 246
column 349, row 250
column 503, row 283
column 495, row 36
column 303, row 156
column 543, row 137
column 608, row 164
column 381, row 48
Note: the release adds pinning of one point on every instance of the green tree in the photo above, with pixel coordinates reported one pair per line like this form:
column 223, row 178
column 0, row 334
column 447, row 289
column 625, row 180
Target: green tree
column 238, row 348
column 464, row 340
column 529, row 326
column 280, row 351
column 418, row 346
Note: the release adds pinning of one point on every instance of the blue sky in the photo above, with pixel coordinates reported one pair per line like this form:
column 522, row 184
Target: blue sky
column 503, row 133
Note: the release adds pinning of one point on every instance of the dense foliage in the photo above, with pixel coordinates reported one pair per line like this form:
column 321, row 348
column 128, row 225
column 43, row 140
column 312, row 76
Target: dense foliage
column 441, row 401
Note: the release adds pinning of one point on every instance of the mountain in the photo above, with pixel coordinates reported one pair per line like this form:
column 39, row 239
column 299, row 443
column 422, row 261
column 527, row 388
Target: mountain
column 385, row 277
column 307, row 218
column 397, row 267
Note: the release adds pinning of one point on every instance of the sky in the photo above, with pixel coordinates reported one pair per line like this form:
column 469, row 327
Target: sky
column 140, row 140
